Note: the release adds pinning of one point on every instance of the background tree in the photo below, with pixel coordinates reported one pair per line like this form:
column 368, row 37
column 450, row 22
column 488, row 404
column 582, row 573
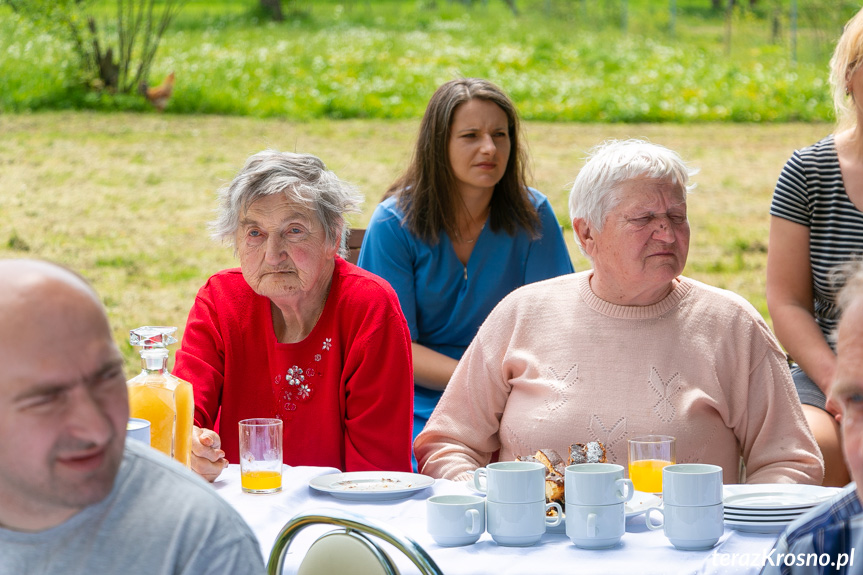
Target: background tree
column 720, row 4
column 274, row 8
column 114, row 56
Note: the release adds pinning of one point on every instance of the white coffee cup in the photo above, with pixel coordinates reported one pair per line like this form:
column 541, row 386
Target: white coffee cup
column 692, row 484
column 595, row 526
column 690, row 527
column 520, row 524
column 455, row 519
column 138, row 429
column 511, row 481
column 597, row 484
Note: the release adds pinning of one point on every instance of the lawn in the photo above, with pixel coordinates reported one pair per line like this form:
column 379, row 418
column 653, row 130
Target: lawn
column 561, row 60
column 125, row 198
column 103, row 184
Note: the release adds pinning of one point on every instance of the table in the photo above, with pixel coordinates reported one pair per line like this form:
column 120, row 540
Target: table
column 641, row 551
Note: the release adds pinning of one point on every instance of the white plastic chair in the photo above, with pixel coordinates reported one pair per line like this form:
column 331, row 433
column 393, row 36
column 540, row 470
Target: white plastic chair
column 348, row 550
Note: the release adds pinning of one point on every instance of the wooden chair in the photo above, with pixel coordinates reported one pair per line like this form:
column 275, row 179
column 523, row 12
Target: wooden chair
column 355, row 241
column 349, row 550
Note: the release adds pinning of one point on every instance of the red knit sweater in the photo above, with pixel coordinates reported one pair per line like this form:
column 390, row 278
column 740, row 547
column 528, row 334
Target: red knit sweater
column 345, row 392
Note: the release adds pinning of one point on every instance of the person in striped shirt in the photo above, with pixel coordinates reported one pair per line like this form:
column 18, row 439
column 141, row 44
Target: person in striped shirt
column 817, row 224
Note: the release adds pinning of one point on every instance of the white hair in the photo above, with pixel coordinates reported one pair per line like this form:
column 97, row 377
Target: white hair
column 615, row 162
column 303, row 178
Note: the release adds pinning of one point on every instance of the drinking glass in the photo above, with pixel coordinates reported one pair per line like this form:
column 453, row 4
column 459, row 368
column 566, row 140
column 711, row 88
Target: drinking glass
column 648, row 455
column 261, row 455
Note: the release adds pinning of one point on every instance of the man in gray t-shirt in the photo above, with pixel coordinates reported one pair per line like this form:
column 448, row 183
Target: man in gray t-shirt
column 74, row 497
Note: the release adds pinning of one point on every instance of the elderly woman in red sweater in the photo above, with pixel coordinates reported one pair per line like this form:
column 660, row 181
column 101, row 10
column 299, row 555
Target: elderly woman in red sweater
column 628, row 348
column 296, row 332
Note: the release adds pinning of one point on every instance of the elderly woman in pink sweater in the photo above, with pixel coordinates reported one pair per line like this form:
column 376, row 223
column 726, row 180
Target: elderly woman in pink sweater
column 628, row 348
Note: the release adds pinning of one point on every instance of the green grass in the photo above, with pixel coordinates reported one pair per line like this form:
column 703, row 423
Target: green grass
column 123, row 194
column 75, row 190
column 559, row 60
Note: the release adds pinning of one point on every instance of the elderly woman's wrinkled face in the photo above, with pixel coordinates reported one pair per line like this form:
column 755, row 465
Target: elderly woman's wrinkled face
column 643, row 243
column 283, row 249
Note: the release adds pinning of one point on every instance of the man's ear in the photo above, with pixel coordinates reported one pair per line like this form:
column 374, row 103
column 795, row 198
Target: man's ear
column 585, row 235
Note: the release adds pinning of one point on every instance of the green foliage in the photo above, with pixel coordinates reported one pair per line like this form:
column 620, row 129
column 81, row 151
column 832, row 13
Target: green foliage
column 560, row 60
column 111, row 50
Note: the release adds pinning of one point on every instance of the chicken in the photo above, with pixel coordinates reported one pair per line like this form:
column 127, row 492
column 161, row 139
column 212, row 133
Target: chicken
column 158, row 95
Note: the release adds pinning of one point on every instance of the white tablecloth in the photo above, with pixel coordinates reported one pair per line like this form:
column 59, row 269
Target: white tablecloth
column 641, row 551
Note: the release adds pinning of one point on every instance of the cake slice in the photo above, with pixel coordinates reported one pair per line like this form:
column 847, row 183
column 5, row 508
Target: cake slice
column 554, row 489
column 554, row 472
column 591, row 452
column 552, row 460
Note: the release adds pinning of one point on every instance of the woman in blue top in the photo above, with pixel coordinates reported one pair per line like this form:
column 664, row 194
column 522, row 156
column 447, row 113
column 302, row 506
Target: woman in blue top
column 460, row 229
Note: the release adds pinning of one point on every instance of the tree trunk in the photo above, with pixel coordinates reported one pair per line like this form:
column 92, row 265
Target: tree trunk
column 274, row 7
column 109, row 70
column 717, row 4
column 512, row 6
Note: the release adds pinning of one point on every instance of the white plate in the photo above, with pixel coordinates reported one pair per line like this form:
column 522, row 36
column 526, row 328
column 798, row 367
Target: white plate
column 775, row 496
column 787, row 516
column 371, row 485
column 758, row 526
column 738, row 522
column 764, row 513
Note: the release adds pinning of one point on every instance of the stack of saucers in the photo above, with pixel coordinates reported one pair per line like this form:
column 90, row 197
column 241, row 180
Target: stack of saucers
column 770, row 507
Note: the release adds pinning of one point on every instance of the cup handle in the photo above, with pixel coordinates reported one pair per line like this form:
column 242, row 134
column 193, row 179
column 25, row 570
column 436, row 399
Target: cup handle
column 480, row 486
column 553, row 521
column 473, row 516
column 625, row 489
column 591, row 524
column 651, row 525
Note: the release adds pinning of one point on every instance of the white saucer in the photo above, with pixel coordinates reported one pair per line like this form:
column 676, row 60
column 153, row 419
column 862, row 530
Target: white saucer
column 561, row 528
column 641, row 502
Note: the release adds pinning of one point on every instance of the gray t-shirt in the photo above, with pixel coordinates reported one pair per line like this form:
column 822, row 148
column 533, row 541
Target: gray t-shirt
column 159, row 519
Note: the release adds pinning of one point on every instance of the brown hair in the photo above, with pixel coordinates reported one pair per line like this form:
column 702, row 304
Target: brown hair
column 427, row 191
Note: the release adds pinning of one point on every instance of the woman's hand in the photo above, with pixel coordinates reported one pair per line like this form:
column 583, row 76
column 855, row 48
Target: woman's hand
column 432, row 369
column 208, row 460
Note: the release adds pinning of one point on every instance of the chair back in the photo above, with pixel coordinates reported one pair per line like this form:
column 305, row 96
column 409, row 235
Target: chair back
column 346, row 552
column 355, row 242
column 356, row 528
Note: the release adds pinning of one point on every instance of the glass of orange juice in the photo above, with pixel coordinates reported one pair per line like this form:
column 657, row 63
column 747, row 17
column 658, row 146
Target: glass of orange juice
column 648, row 455
column 261, row 455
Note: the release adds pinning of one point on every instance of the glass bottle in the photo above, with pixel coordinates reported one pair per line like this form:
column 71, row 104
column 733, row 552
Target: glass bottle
column 156, row 395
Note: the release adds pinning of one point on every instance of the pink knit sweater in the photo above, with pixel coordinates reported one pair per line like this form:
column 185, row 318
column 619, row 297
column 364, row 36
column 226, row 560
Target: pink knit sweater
column 554, row 365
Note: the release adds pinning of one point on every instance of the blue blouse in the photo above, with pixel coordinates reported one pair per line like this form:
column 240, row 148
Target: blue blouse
column 444, row 301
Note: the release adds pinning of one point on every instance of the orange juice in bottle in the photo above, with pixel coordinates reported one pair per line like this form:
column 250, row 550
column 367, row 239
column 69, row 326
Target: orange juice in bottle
column 161, row 398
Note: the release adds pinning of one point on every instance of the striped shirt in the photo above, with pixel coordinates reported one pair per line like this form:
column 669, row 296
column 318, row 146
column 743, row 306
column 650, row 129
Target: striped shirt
column 831, row 530
column 810, row 192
